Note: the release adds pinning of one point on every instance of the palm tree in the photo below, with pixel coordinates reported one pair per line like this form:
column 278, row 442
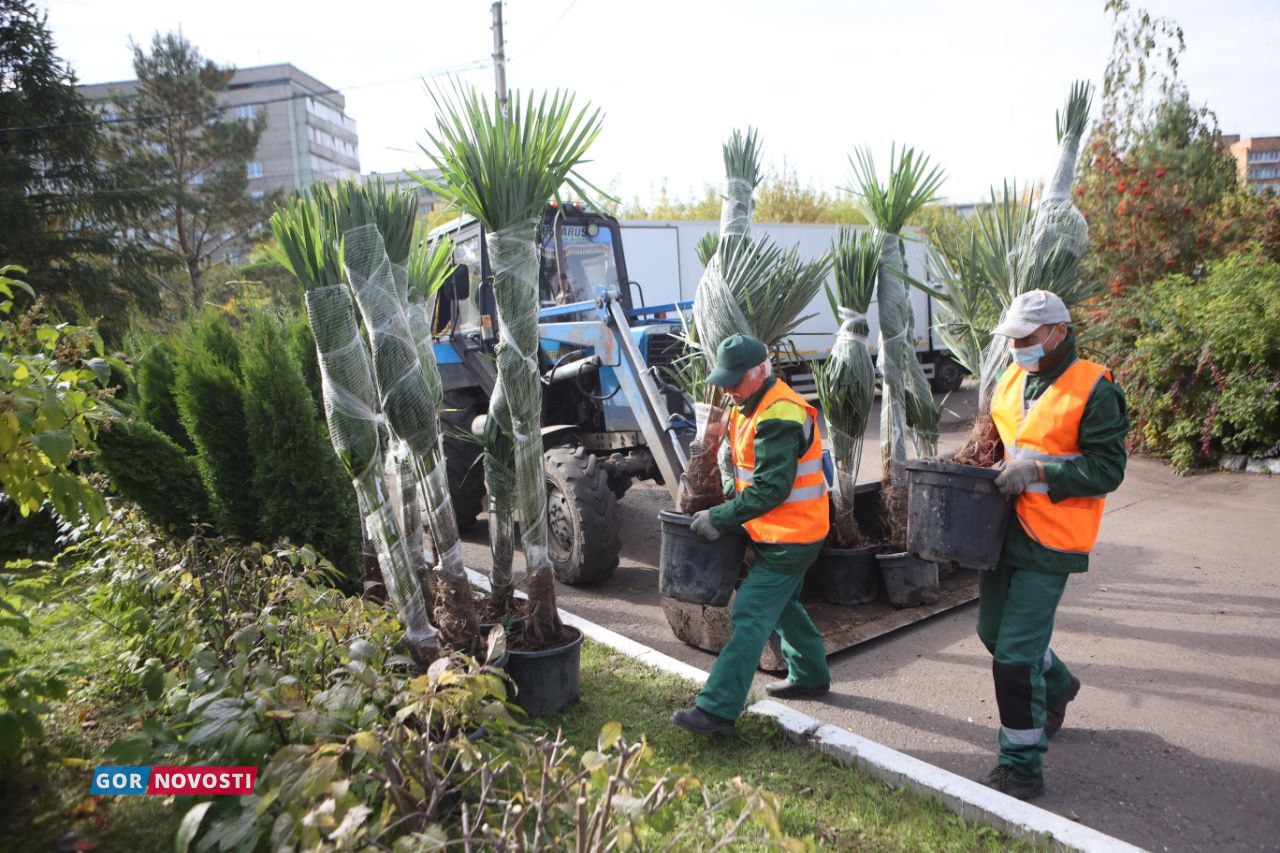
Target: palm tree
column 501, row 166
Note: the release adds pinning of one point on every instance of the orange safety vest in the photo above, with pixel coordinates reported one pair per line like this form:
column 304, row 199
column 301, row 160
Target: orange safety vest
column 1048, row 430
column 804, row 516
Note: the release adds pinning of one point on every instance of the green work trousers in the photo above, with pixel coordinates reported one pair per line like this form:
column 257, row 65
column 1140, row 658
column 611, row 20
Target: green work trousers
column 767, row 600
column 1015, row 621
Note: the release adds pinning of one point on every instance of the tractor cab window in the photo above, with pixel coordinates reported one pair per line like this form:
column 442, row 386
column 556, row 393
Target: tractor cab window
column 455, row 313
column 583, row 263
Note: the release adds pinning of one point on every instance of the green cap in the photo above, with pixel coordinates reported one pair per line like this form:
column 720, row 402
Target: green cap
column 734, row 357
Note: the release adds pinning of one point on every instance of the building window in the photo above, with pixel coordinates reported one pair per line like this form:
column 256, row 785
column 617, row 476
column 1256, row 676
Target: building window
column 247, row 112
column 254, row 169
column 256, row 193
column 1271, row 172
column 1265, row 156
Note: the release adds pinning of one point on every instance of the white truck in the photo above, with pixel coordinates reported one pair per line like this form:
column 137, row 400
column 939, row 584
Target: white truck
column 663, row 266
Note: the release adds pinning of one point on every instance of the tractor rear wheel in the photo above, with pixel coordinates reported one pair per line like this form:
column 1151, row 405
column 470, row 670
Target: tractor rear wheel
column 582, row 517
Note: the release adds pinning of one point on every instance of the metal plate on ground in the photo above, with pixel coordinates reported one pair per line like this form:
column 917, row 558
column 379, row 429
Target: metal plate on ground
column 842, row 627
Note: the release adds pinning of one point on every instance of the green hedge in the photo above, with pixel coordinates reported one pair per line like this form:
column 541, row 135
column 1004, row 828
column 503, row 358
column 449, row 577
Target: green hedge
column 298, row 483
column 151, row 470
column 211, row 404
column 154, row 376
column 1200, row 361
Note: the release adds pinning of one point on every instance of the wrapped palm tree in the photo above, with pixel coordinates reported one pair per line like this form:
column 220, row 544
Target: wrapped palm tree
column 410, row 393
column 502, row 166
column 749, row 286
column 847, row 380
column 907, row 408
column 313, row 253
column 1017, row 252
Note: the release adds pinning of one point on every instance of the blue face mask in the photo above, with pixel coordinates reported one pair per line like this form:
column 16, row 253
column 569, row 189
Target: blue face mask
column 1028, row 358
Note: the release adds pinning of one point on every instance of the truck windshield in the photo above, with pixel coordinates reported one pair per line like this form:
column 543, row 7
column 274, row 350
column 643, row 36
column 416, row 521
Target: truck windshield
column 588, row 264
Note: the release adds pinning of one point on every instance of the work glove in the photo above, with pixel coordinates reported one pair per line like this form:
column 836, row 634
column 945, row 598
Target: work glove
column 703, row 527
column 1017, row 475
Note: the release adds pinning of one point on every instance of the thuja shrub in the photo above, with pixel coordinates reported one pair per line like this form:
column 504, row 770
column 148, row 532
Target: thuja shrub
column 297, row 480
column 211, row 405
column 154, row 377
column 148, row 468
column 1200, row 361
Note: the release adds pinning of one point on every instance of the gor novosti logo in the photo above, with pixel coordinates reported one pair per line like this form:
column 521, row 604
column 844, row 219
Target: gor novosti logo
column 165, row 781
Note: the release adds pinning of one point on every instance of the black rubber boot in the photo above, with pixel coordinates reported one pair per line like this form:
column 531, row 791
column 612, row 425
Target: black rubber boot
column 1056, row 714
column 791, row 690
column 700, row 722
column 1006, row 780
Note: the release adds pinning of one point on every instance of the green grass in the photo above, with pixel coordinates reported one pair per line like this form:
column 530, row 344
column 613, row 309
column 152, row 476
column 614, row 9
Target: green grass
column 44, row 795
column 838, row 806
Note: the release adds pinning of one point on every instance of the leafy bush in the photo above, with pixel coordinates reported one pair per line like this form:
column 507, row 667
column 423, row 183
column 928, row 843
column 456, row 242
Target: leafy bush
column 51, row 400
column 1200, row 361
column 243, row 660
column 301, row 491
column 211, row 404
column 145, row 466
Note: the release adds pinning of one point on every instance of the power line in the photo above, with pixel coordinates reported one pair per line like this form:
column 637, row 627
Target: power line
column 103, row 120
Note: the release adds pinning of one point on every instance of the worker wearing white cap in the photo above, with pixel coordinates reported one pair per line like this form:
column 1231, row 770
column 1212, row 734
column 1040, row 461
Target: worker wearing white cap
column 1062, row 424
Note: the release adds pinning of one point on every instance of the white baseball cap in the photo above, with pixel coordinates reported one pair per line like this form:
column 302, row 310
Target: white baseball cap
column 1030, row 311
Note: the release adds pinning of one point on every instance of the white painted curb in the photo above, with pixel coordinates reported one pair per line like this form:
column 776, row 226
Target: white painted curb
column 969, row 799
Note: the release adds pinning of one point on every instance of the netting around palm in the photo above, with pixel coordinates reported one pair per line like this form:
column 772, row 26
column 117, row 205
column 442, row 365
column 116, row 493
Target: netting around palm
column 410, row 396
column 514, row 260
column 896, row 351
column 351, row 410
column 736, row 207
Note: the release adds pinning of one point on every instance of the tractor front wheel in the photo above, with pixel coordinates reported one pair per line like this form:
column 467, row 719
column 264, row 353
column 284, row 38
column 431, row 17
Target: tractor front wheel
column 582, row 517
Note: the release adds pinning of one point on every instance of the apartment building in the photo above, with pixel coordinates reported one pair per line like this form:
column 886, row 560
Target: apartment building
column 1258, row 161
column 308, row 136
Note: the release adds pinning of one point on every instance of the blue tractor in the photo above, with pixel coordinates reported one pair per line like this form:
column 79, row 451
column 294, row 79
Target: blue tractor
column 610, row 413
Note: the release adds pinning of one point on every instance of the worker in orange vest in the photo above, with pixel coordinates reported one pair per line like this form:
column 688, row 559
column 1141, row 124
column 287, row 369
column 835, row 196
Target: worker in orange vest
column 1062, row 423
column 779, row 497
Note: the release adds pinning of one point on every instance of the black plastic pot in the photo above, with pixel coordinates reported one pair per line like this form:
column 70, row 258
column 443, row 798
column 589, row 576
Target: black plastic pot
column 546, row 680
column 848, row 575
column 696, row 571
column 955, row 514
column 910, row 582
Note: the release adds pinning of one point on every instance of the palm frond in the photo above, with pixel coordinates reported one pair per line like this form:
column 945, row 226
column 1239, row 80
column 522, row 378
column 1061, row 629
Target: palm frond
column 912, row 183
column 502, row 167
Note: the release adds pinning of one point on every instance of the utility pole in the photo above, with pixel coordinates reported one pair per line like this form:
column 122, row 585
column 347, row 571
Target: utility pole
column 499, row 56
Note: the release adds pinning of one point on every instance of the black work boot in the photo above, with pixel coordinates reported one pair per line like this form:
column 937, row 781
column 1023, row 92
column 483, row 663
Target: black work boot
column 700, row 722
column 791, row 690
column 1006, row 780
column 1056, row 714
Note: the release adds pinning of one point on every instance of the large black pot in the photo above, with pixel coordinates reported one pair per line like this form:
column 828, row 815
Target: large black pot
column 696, row 571
column 848, row 575
column 547, row 679
column 909, row 582
column 955, row 514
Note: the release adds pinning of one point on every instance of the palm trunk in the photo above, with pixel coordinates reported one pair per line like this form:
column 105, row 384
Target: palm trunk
column 514, row 261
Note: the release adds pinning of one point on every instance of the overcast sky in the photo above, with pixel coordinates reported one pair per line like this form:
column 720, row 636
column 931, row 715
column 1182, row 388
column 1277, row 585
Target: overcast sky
column 975, row 84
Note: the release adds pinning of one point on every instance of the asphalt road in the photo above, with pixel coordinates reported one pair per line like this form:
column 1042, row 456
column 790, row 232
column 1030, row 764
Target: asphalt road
column 1172, row 743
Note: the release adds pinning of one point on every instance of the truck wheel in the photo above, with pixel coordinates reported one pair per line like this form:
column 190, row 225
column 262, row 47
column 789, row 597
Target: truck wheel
column 947, row 374
column 466, row 479
column 582, row 517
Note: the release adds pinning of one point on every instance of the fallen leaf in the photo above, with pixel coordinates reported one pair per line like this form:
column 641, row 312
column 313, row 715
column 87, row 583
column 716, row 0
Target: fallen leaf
column 86, row 806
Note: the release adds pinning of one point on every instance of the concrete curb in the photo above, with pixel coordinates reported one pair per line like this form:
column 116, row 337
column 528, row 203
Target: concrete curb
column 968, row 799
